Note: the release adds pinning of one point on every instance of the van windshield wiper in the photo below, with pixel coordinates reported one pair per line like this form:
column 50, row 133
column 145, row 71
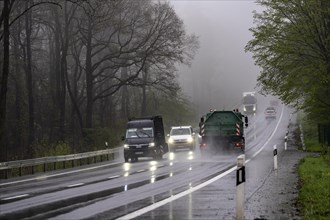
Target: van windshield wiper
column 137, row 134
column 145, row 133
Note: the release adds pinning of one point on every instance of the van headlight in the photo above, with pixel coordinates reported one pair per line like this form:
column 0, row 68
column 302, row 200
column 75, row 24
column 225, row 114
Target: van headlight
column 152, row 144
column 170, row 140
column 190, row 140
column 126, row 146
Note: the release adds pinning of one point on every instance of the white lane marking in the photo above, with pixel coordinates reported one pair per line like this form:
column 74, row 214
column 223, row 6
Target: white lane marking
column 172, row 198
column 140, row 171
column 58, row 174
column 113, row 177
column 193, row 189
column 15, row 197
column 75, row 185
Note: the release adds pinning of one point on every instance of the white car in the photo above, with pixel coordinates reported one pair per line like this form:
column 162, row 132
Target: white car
column 270, row 112
column 181, row 137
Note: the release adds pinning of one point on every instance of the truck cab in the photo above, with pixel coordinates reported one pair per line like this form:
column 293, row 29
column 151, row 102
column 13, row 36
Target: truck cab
column 144, row 137
column 249, row 103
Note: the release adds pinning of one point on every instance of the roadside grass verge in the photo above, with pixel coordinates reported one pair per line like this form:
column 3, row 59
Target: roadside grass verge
column 314, row 176
column 314, row 194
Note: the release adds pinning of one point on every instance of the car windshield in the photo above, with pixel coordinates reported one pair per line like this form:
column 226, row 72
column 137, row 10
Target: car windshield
column 139, row 132
column 180, row 131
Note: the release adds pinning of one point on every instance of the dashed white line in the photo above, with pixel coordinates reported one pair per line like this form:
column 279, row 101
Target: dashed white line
column 113, row 177
column 58, row 174
column 75, row 185
column 15, row 197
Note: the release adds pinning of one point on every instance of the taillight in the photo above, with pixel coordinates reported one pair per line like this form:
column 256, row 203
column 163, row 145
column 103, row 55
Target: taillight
column 202, row 145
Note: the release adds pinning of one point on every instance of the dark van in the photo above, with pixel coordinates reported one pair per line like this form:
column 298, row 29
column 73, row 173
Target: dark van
column 144, row 138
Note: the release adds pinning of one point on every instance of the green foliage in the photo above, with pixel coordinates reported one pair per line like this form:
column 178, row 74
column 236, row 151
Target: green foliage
column 310, row 133
column 44, row 150
column 292, row 46
column 95, row 138
column 175, row 111
column 314, row 195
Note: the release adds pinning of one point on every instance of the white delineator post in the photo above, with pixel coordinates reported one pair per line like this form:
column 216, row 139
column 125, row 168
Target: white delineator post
column 275, row 157
column 286, row 141
column 240, row 191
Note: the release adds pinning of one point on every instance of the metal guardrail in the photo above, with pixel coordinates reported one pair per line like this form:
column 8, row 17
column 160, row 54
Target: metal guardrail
column 19, row 164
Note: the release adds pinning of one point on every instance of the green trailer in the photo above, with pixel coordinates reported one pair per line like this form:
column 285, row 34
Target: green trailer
column 222, row 130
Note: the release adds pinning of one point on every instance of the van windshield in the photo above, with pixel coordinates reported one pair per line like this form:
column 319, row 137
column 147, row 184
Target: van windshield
column 139, row 132
column 180, row 131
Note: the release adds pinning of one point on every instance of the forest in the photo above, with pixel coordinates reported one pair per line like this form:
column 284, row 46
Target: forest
column 73, row 72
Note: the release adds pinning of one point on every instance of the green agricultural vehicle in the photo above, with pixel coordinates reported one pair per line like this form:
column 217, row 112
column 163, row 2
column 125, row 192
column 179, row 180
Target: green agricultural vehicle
column 222, row 130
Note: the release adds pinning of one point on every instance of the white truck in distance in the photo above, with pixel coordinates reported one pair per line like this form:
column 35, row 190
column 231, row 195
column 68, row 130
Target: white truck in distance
column 249, row 102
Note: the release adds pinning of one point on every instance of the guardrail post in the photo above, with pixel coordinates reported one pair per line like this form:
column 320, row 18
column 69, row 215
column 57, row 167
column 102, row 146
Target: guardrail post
column 20, row 170
column 32, row 167
column 240, row 180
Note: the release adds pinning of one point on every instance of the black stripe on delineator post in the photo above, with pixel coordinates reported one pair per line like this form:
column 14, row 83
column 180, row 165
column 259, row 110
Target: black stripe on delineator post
column 275, row 152
column 240, row 175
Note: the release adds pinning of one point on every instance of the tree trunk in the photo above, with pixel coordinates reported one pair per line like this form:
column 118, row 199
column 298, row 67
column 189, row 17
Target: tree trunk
column 29, row 80
column 89, row 79
column 124, row 95
column 144, row 95
column 20, row 125
column 4, row 79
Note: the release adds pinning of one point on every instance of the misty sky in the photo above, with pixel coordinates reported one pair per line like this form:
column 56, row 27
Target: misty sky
column 221, row 70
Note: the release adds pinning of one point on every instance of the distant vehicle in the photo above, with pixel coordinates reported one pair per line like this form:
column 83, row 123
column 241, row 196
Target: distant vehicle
column 222, row 130
column 181, row 137
column 270, row 112
column 249, row 102
column 144, row 138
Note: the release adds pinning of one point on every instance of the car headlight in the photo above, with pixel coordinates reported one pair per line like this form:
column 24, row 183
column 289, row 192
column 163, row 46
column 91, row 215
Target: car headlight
column 254, row 108
column 244, row 108
column 126, row 146
column 170, row 140
column 190, row 140
column 152, row 144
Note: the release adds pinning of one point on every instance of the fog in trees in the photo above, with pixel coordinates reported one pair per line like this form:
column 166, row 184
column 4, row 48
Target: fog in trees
column 221, row 70
column 73, row 72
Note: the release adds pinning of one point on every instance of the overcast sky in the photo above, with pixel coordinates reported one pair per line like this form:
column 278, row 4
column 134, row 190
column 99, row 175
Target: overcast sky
column 221, row 70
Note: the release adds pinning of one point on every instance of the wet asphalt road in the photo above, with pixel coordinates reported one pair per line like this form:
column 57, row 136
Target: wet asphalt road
column 166, row 189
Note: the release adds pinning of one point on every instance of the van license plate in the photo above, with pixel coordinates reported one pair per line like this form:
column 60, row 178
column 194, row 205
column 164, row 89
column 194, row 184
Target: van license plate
column 138, row 152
